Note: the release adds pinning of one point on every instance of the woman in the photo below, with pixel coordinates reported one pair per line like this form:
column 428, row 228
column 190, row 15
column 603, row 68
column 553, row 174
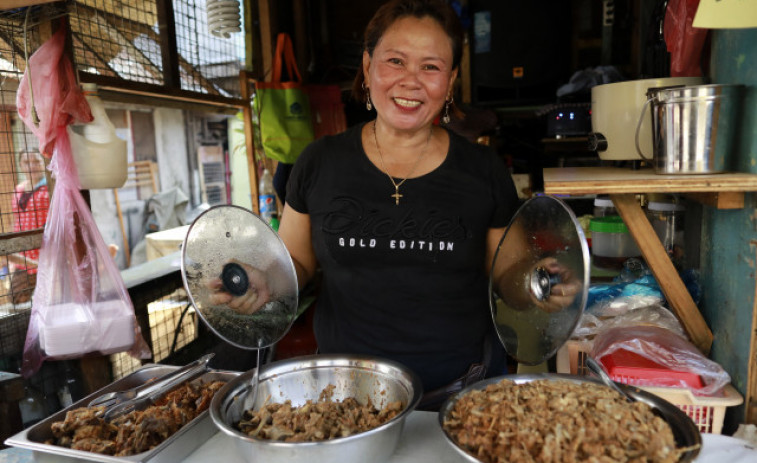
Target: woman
column 402, row 216
column 31, row 202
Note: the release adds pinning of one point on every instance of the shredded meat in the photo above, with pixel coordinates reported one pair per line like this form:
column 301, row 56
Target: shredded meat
column 558, row 421
column 137, row 431
column 315, row 421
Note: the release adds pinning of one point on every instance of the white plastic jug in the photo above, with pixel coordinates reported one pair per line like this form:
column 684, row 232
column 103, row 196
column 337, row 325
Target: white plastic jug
column 100, row 156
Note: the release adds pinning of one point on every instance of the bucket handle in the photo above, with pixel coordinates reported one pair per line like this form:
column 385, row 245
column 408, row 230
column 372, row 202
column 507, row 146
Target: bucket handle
column 638, row 127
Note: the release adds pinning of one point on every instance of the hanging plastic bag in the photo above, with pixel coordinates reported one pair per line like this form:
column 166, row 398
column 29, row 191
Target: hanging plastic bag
column 80, row 304
column 55, row 100
column 684, row 41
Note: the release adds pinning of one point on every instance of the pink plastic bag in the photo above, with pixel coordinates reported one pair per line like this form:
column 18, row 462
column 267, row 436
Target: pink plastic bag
column 57, row 98
column 684, row 41
column 665, row 348
column 80, row 304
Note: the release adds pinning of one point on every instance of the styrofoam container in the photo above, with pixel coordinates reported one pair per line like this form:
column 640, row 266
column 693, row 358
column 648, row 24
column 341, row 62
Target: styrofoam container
column 72, row 328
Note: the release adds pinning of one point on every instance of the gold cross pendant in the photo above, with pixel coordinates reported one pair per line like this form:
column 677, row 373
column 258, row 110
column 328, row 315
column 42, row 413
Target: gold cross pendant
column 396, row 195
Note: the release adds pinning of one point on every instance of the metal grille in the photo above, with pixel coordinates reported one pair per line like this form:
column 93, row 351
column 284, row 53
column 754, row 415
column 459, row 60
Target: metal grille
column 122, row 39
column 168, row 321
column 23, row 190
column 217, row 60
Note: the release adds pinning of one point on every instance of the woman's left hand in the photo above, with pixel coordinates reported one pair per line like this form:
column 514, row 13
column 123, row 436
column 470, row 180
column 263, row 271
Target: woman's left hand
column 257, row 295
column 564, row 292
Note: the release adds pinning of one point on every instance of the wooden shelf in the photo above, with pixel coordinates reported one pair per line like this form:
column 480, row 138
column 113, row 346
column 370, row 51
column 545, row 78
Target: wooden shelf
column 723, row 191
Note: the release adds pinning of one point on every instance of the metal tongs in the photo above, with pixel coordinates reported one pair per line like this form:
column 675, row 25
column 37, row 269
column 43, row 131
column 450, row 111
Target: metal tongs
column 598, row 370
column 119, row 403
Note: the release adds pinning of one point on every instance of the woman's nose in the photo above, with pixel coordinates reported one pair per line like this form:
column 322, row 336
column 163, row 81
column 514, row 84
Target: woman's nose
column 411, row 78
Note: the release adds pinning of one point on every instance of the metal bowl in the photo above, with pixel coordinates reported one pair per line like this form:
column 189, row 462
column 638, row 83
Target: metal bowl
column 684, row 430
column 302, row 379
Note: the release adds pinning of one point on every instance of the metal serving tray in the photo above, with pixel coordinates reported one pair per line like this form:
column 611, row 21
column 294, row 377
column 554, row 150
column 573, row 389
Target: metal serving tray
column 174, row 449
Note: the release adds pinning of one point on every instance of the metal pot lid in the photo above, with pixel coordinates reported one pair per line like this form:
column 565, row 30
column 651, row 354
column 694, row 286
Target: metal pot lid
column 239, row 277
column 539, row 281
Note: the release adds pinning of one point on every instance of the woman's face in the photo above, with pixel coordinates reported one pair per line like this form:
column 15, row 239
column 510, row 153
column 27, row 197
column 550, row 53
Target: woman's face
column 32, row 164
column 410, row 74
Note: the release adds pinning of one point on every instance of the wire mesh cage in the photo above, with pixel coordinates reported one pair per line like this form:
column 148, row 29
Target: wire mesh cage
column 137, row 41
column 127, row 43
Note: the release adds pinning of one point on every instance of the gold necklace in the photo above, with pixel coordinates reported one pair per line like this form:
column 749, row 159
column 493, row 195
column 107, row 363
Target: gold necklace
column 397, row 186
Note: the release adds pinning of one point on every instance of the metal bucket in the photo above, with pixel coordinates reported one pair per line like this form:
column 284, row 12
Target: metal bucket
column 693, row 128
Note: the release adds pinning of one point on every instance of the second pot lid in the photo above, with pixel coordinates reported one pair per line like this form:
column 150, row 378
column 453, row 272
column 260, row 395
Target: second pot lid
column 239, row 277
column 539, row 281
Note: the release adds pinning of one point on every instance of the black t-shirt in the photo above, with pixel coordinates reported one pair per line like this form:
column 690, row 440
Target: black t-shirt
column 406, row 282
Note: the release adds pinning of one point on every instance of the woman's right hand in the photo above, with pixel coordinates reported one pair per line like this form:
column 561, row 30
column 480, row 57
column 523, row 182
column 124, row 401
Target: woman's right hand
column 257, row 295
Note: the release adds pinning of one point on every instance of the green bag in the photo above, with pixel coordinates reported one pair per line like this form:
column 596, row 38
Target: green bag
column 283, row 108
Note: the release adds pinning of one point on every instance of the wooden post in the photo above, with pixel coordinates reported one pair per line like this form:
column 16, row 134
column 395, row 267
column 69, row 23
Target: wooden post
column 245, row 81
column 663, row 270
column 751, row 388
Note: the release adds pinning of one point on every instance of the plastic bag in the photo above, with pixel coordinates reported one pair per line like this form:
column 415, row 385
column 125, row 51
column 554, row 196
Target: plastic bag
column 662, row 347
column 80, row 304
column 684, row 41
column 57, row 99
column 626, row 312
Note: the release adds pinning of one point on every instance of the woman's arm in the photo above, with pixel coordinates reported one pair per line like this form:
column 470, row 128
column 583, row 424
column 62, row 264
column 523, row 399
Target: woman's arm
column 294, row 230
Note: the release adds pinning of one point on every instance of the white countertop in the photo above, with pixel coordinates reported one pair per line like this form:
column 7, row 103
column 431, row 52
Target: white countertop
column 422, row 441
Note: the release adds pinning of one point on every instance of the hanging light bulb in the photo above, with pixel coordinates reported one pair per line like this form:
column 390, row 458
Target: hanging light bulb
column 223, row 17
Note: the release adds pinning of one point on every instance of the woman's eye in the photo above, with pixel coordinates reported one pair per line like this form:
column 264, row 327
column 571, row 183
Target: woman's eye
column 395, row 60
column 430, row 67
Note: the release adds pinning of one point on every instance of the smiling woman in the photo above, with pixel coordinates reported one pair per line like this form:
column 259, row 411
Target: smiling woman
column 400, row 215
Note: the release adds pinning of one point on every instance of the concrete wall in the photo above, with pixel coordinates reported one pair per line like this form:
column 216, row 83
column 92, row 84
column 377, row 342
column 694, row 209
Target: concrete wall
column 729, row 237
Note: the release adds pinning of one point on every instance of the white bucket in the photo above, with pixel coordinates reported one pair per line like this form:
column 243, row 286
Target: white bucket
column 100, row 156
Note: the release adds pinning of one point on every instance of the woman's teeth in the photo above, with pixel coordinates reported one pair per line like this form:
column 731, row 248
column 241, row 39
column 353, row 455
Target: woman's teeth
column 407, row 103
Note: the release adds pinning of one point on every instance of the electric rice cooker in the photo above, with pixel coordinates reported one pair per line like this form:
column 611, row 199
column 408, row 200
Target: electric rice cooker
column 615, row 112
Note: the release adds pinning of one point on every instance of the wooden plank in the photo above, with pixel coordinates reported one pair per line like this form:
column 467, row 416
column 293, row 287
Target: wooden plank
column 245, row 82
column 662, row 268
column 750, row 400
column 721, row 200
column 614, row 180
column 266, row 20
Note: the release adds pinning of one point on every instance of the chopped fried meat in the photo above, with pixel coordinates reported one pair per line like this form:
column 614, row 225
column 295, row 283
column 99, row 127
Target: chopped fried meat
column 558, row 421
column 315, row 421
column 137, row 431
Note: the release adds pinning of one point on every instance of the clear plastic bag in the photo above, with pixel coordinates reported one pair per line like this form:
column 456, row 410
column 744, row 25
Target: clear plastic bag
column 626, row 312
column 663, row 347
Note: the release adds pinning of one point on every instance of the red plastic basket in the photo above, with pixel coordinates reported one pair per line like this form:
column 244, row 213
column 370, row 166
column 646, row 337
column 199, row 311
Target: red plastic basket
column 627, row 367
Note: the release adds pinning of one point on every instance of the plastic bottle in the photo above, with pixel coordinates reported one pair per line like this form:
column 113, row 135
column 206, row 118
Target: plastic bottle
column 267, row 199
column 32, row 406
column 603, row 207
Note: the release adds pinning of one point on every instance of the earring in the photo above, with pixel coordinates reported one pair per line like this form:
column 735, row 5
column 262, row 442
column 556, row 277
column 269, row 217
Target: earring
column 368, row 104
column 445, row 116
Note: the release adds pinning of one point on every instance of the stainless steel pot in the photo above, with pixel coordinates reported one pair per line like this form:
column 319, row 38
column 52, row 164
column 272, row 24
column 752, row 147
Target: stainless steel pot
column 693, row 128
column 616, row 110
column 303, row 378
column 684, row 430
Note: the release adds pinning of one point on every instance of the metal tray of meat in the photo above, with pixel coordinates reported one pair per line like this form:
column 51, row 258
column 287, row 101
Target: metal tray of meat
column 185, row 441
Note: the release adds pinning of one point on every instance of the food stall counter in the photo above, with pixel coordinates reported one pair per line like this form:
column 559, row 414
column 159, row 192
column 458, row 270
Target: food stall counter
column 422, row 441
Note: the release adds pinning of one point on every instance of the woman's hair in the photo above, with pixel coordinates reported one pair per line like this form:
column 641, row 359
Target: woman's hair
column 390, row 12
